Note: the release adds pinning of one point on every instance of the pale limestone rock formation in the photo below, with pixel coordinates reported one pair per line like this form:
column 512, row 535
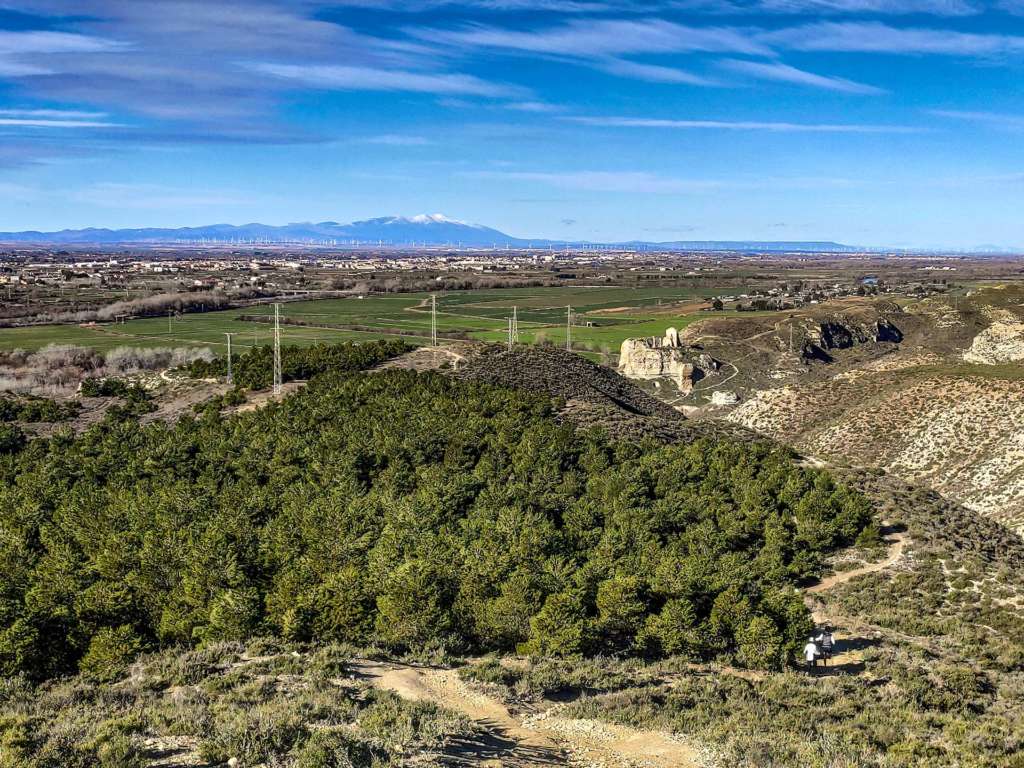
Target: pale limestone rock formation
column 1001, row 342
column 724, row 397
column 656, row 359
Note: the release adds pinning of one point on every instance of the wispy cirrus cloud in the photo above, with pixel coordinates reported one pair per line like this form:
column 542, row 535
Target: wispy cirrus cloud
column 35, row 122
column 711, row 7
column 608, row 45
column 652, row 183
column 652, row 73
column 838, row 7
column 777, row 71
column 188, row 62
column 398, row 140
column 32, row 42
column 536, row 107
column 57, row 114
column 54, row 118
column 352, row 78
column 876, row 37
column 993, row 119
column 603, row 181
column 598, row 38
column 738, row 125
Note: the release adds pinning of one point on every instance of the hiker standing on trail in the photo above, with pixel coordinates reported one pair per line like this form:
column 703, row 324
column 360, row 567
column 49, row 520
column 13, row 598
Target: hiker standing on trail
column 811, row 654
column 826, row 641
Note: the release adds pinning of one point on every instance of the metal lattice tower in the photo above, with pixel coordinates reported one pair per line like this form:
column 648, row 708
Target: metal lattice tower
column 433, row 321
column 277, row 349
column 568, row 328
column 231, row 378
column 515, row 325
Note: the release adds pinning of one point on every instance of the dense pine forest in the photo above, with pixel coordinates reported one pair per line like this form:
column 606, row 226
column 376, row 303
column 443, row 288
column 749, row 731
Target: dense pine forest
column 410, row 510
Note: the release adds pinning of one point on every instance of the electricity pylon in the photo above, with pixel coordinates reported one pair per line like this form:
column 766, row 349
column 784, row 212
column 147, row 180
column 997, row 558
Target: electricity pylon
column 277, row 349
column 568, row 328
column 433, row 321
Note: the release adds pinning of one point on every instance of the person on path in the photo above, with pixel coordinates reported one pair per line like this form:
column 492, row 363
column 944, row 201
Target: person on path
column 811, row 653
column 826, row 641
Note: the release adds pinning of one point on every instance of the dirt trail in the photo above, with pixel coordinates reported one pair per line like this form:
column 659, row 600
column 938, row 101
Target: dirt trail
column 256, row 400
column 544, row 738
column 429, row 358
column 899, row 540
column 852, row 636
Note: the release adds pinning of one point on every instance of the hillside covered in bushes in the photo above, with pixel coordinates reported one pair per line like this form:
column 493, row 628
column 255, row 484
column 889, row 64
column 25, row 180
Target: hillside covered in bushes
column 410, row 510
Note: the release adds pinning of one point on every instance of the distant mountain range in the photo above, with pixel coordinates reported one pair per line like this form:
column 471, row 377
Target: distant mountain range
column 423, row 230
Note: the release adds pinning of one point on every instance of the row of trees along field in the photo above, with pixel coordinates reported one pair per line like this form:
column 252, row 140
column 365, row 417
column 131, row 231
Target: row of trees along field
column 410, row 510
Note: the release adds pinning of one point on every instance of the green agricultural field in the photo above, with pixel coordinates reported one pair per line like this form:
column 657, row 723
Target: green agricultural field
column 603, row 318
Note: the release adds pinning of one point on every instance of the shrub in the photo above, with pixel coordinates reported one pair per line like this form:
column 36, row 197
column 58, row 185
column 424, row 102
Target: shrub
column 12, row 438
column 339, row 750
column 761, row 645
column 621, row 606
column 559, row 629
column 234, row 615
column 110, row 653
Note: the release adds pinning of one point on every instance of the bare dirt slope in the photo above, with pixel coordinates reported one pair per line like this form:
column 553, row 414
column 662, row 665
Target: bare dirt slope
column 932, row 392
column 542, row 738
column 959, row 430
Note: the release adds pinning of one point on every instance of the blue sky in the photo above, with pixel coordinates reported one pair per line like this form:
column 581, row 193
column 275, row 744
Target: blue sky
column 896, row 122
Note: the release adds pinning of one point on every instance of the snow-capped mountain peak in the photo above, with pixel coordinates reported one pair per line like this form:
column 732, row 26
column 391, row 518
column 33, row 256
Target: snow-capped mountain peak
column 436, row 218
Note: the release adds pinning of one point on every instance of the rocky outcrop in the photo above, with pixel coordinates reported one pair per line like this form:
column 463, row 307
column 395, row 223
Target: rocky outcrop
column 661, row 358
column 1001, row 342
column 842, row 333
column 641, row 359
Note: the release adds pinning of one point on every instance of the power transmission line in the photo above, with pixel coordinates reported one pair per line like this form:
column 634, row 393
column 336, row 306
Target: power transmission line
column 433, row 321
column 231, row 378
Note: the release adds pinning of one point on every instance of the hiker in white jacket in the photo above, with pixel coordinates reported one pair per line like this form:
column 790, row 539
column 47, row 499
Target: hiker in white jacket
column 811, row 653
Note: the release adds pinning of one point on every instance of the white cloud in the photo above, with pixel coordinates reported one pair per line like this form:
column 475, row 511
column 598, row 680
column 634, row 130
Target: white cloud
column 398, row 140
column 784, row 73
column 653, row 73
column 35, row 42
column 26, row 122
column 888, row 7
column 15, row 69
column 349, row 78
column 875, row 37
column 599, row 38
column 539, row 107
column 738, row 125
column 604, row 181
column 995, row 119
column 59, row 114
column 652, row 183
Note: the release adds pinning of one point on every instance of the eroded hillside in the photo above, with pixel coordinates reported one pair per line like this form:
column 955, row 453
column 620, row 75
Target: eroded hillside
column 932, row 392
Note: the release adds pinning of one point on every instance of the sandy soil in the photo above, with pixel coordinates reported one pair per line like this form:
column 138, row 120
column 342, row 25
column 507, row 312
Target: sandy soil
column 543, row 738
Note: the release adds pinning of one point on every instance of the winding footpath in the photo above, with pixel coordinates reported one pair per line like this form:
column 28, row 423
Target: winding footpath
column 542, row 738
column 852, row 636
